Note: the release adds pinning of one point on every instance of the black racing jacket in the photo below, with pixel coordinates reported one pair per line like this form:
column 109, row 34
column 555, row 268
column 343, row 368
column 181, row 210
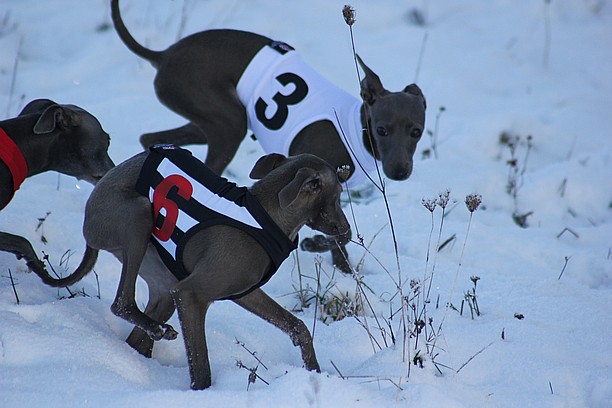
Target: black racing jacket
column 187, row 196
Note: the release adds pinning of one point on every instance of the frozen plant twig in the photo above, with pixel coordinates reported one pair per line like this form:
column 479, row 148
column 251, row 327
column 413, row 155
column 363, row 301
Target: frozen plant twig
column 252, row 353
column 567, row 258
column 14, row 77
column 13, row 284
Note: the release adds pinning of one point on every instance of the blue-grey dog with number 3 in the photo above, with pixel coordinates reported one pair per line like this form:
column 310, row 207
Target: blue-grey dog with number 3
column 226, row 82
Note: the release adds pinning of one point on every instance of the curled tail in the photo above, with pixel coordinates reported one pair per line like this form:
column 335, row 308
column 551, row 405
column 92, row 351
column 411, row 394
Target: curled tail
column 152, row 56
column 87, row 263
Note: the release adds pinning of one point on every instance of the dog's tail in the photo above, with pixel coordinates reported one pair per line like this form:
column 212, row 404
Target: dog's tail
column 152, row 56
column 87, row 263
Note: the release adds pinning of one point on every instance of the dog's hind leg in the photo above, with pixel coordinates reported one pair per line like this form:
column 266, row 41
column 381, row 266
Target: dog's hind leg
column 159, row 309
column 160, row 306
column 181, row 136
column 215, row 110
column 262, row 305
column 128, row 240
column 124, row 304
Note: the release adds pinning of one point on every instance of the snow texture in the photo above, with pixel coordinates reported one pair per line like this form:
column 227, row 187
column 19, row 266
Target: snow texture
column 515, row 67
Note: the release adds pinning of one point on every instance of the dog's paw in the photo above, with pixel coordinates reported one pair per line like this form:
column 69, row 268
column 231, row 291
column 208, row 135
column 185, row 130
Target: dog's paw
column 163, row 332
column 312, row 365
column 318, row 243
column 170, row 333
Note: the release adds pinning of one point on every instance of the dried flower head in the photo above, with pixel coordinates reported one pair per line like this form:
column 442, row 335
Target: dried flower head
column 343, row 172
column 349, row 14
column 415, row 285
column 472, row 201
column 429, row 204
column 443, row 199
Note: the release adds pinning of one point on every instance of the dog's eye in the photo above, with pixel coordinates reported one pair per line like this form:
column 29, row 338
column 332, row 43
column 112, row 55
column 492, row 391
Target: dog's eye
column 381, row 131
column 416, row 133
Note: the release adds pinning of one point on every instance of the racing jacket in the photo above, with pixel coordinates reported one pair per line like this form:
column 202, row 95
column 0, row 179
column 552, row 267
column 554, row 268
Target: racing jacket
column 282, row 95
column 187, row 196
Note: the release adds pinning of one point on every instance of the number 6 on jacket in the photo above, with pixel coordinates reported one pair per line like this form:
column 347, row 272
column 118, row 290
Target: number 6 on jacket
column 161, row 200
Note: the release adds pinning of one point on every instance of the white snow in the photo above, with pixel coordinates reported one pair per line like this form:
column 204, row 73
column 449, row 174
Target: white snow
column 491, row 67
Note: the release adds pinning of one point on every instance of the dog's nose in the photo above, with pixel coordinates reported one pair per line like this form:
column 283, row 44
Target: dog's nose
column 399, row 174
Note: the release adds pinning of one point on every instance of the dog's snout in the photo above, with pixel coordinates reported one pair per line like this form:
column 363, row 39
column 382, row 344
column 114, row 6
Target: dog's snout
column 400, row 175
column 398, row 172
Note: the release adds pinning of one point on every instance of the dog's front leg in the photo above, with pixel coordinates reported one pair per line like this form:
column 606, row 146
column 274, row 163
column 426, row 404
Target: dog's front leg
column 263, row 306
column 192, row 313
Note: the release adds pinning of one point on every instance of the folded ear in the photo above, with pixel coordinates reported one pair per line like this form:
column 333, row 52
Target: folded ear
column 371, row 87
column 35, row 106
column 306, row 181
column 266, row 164
column 414, row 89
column 55, row 116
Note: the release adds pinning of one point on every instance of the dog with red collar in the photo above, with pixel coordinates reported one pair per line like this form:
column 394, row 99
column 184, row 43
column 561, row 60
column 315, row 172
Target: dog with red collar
column 48, row 136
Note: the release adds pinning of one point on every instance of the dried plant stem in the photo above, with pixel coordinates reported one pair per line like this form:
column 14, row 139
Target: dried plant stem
column 318, row 272
column 454, row 282
column 13, row 285
column 421, row 53
column 252, row 353
column 475, row 355
column 14, row 77
column 547, row 34
column 567, row 258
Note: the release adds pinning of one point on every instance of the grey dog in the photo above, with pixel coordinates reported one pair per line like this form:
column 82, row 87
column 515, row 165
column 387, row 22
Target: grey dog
column 219, row 261
column 48, row 136
column 202, row 78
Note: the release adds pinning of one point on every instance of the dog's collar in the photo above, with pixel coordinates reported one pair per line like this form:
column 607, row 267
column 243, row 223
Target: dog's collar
column 13, row 158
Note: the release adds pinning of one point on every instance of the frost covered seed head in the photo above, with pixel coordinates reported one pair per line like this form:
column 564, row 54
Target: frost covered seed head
column 443, row 198
column 343, row 172
column 472, row 201
column 429, row 204
column 349, row 14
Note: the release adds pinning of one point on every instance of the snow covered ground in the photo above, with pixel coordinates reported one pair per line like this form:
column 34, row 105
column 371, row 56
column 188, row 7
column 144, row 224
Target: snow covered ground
column 515, row 67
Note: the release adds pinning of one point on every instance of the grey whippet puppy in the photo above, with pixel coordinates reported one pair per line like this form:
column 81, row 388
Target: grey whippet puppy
column 48, row 136
column 219, row 261
column 202, row 78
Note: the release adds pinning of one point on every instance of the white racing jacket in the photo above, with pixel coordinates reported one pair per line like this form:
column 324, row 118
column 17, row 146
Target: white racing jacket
column 283, row 95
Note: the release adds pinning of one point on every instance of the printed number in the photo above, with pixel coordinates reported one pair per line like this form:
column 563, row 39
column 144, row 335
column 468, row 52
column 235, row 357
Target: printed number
column 282, row 101
column 161, row 200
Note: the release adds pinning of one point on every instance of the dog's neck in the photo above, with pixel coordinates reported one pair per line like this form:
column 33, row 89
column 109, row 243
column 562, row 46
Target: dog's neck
column 36, row 149
column 12, row 156
column 368, row 142
column 288, row 222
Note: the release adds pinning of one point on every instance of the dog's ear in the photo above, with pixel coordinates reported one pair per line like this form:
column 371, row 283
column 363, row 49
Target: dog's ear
column 306, row 181
column 55, row 116
column 371, row 87
column 266, row 164
column 413, row 89
column 35, row 106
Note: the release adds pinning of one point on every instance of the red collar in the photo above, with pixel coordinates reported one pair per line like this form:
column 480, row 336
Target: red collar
column 14, row 160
